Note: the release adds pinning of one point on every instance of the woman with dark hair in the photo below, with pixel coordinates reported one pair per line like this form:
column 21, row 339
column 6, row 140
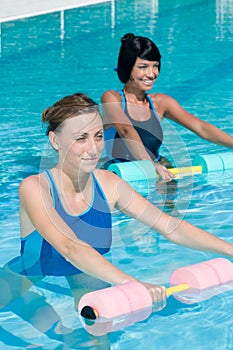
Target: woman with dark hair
column 132, row 117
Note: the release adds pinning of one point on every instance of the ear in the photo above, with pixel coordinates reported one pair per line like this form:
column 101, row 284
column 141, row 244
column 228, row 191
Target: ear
column 54, row 140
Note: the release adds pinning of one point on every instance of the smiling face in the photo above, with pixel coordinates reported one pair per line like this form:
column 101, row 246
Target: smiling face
column 79, row 142
column 144, row 74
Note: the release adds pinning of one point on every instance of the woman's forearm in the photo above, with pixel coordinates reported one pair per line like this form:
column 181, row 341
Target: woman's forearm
column 89, row 261
column 183, row 233
column 211, row 133
column 174, row 229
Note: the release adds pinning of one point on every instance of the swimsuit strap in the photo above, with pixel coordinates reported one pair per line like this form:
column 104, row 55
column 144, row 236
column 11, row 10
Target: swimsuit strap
column 149, row 99
column 52, row 185
column 123, row 99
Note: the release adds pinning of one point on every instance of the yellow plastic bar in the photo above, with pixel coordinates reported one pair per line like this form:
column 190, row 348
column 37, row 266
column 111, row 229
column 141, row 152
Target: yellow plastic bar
column 197, row 169
column 176, row 289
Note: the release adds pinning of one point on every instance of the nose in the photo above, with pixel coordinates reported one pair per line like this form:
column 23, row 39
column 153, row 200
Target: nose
column 93, row 148
column 152, row 71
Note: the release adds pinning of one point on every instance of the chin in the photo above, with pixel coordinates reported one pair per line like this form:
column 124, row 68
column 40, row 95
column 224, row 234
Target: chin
column 88, row 168
column 148, row 87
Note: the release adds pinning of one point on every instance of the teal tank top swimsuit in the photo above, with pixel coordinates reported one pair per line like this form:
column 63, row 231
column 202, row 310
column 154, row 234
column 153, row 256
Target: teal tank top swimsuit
column 93, row 226
column 150, row 132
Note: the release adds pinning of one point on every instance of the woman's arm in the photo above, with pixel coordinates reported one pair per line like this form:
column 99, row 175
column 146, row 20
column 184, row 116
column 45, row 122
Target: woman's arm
column 36, row 202
column 172, row 110
column 174, row 229
column 114, row 115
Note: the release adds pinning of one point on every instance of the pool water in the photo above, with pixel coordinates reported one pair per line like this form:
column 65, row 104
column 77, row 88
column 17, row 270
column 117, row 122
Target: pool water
column 41, row 62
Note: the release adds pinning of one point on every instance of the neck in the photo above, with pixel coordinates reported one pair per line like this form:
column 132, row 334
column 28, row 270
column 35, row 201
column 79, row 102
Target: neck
column 71, row 180
column 134, row 95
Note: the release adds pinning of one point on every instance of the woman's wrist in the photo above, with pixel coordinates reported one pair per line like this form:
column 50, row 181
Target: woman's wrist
column 129, row 279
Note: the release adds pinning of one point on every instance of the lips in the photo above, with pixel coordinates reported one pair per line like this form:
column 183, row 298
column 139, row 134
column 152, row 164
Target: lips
column 151, row 81
column 148, row 82
column 90, row 159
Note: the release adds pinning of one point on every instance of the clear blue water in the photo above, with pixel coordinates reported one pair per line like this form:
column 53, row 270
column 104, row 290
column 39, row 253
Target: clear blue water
column 38, row 65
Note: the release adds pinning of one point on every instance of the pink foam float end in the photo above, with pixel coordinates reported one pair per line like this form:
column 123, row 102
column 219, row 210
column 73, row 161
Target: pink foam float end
column 207, row 274
column 114, row 301
column 203, row 276
column 116, row 307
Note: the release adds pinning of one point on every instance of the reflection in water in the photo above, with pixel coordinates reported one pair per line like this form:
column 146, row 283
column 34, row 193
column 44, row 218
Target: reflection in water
column 20, row 297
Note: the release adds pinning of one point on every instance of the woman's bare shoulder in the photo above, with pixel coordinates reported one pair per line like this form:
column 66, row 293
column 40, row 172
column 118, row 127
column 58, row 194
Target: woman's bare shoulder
column 163, row 103
column 32, row 183
column 159, row 97
column 106, row 177
column 111, row 96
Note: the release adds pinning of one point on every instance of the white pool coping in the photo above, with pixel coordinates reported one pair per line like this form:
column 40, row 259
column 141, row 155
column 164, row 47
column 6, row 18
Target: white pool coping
column 11, row 10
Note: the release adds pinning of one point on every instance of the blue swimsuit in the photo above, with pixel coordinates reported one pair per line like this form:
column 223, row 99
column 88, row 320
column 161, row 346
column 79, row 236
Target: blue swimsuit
column 93, row 226
column 150, row 132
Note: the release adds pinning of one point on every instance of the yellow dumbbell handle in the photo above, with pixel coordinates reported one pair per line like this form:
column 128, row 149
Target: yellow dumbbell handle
column 197, row 169
column 176, row 289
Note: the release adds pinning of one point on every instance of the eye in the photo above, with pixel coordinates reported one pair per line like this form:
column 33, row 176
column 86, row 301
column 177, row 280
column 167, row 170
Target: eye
column 99, row 137
column 142, row 66
column 80, row 139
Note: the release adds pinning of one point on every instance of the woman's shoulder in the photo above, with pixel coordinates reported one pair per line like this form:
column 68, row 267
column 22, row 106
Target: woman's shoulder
column 161, row 98
column 33, row 182
column 111, row 96
column 107, row 179
column 105, row 176
column 163, row 103
column 108, row 182
column 158, row 96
